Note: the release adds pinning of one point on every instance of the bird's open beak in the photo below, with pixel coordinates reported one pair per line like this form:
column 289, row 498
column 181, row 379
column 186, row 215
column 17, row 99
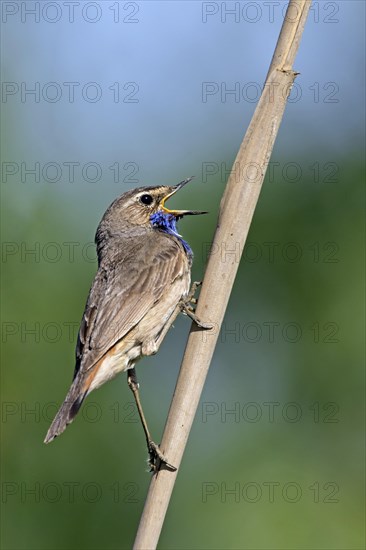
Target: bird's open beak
column 179, row 213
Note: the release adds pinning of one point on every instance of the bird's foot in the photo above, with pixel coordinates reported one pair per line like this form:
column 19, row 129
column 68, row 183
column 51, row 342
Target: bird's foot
column 187, row 309
column 157, row 459
column 192, row 292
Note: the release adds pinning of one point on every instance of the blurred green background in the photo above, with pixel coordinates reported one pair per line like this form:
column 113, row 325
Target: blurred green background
column 276, row 455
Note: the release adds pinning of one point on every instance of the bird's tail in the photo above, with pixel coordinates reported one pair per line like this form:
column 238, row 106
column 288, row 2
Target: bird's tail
column 67, row 412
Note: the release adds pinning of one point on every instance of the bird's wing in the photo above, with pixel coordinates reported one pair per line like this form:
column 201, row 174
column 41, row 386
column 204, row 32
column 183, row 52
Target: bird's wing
column 121, row 295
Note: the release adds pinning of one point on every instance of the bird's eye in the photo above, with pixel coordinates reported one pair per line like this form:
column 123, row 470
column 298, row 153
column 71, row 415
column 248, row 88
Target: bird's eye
column 146, row 199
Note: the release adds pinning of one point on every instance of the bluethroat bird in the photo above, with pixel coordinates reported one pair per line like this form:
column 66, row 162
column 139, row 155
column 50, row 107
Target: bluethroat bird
column 142, row 283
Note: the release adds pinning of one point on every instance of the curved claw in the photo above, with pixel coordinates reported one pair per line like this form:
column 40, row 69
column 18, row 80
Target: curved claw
column 201, row 324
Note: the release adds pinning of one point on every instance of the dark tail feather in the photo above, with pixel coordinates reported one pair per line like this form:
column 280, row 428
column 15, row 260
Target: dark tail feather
column 67, row 412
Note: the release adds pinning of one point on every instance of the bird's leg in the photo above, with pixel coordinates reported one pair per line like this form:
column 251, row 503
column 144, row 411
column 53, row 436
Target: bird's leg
column 155, row 455
column 187, row 309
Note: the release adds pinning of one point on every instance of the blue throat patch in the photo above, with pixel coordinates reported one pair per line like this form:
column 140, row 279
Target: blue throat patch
column 168, row 223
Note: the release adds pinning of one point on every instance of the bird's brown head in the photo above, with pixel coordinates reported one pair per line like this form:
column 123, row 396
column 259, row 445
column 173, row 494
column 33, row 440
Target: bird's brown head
column 136, row 207
column 142, row 208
